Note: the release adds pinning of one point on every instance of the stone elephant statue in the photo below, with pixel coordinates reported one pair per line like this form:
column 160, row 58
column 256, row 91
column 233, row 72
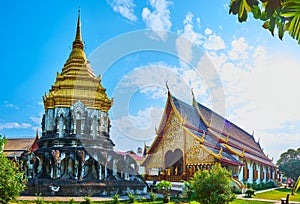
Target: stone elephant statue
column 30, row 163
column 81, row 157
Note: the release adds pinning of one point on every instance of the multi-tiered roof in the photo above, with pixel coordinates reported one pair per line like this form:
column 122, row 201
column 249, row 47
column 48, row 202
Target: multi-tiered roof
column 77, row 82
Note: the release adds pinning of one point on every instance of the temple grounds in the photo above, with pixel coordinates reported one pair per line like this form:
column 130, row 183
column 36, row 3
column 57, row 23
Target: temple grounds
column 260, row 197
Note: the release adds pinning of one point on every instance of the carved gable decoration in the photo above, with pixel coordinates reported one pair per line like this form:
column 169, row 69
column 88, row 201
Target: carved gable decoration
column 173, row 134
column 196, row 154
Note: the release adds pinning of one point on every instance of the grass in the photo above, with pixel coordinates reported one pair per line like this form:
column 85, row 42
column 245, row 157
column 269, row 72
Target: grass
column 239, row 201
column 278, row 194
column 159, row 201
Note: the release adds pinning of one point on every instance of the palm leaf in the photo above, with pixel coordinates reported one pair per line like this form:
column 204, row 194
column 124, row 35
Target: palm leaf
column 291, row 11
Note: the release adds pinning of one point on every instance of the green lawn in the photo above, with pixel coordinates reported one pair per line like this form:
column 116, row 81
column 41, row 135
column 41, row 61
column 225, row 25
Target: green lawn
column 277, row 194
column 238, row 201
column 173, row 201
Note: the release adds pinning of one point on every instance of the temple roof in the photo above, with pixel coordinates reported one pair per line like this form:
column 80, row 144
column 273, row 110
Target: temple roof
column 77, row 81
column 15, row 147
column 221, row 137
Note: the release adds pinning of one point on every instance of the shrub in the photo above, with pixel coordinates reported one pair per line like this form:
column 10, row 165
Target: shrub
column 87, row 200
column 164, row 187
column 39, row 199
column 12, row 181
column 153, row 196
column 212, row 186
column 131, row 196
column 71, row 201
column 187, row 190
column 116, row 198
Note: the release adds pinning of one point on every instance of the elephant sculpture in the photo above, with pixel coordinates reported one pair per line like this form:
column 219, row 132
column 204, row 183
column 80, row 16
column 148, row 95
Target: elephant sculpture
column 55, row 163
column 80, row 158
column 30, row 163
column 132, row 167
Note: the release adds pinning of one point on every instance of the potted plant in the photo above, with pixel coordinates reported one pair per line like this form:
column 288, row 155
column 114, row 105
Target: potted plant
column 164, row 187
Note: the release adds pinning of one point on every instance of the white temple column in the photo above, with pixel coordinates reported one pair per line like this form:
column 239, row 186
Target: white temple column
column 258, row 173
column 250, row 176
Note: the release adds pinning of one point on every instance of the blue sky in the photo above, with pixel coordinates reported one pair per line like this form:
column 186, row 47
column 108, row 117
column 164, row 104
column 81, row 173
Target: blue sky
column 258, row 73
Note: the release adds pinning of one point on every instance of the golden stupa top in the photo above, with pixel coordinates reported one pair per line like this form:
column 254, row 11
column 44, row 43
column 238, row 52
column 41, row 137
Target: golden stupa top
column 77, row 82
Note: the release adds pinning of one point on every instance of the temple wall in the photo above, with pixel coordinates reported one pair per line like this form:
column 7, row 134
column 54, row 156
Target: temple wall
column 65, row 120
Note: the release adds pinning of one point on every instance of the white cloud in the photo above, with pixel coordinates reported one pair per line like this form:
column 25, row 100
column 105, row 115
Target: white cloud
column 260, row 91
column 124, row 7
column 10, row 105
column 157, row 18
column 136, row 129
column 187, row 39
column 151, row 81
column 214, row 42
column 276, row 143
column 36, row 120
column 208, row 31
column 14, row 125
column 239, row 49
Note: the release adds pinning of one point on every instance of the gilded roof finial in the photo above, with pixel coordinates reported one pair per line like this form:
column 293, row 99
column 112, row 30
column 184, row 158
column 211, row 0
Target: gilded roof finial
column 78, row 40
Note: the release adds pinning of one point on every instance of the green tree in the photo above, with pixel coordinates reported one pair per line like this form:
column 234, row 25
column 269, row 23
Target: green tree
column 164, row 187
column 281, row 14
column 12, row 181
column 212, row 186
column 289, row 163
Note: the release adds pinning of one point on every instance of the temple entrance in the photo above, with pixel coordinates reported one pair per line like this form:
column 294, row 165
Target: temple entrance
column 174, row 162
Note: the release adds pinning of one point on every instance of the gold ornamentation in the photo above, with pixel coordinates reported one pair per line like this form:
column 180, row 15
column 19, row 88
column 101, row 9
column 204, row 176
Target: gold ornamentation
column 77, row 82
column 174, row 134
column 196, row 154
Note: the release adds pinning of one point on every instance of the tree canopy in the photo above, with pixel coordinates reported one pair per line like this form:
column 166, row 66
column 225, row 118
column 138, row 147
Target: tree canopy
column 284, row 15
column 12, row 181
column 289, row 163
column 212, row 186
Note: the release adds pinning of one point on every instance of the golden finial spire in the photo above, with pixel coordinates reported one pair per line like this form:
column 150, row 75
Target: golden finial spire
column 78, row 40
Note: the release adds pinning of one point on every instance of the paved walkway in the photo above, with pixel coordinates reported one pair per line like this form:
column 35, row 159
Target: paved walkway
column 63, row 199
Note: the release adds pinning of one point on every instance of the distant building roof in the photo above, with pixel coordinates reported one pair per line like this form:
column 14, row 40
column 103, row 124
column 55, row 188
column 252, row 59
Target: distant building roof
column 15, row 147
column 136, row 157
